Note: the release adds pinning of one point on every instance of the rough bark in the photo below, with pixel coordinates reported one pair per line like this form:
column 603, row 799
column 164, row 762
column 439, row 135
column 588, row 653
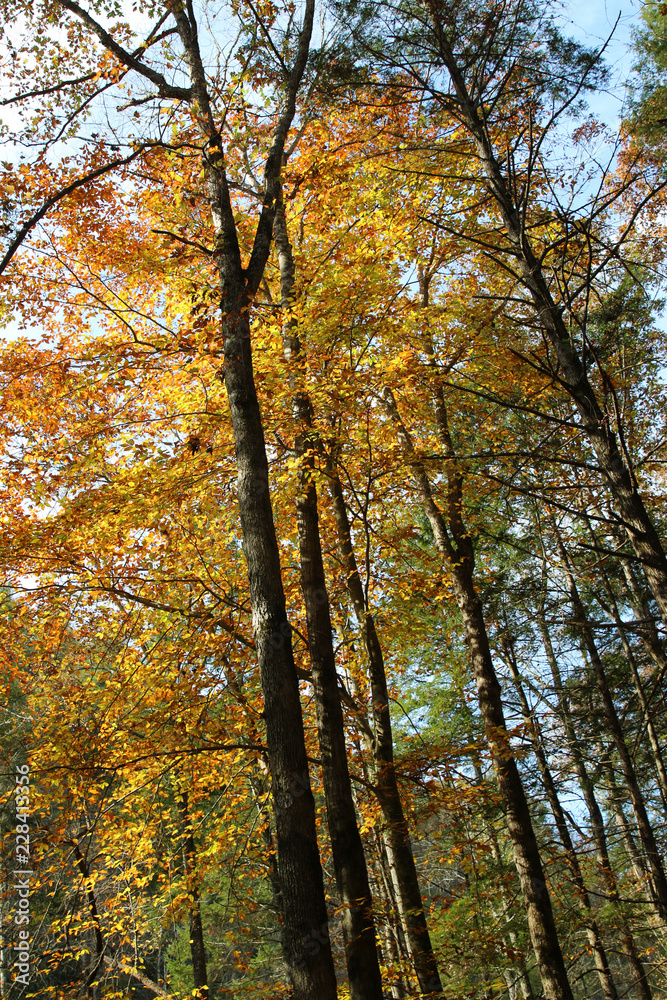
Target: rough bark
column 515, row 980
column 399, row 847
column 306, row 943
column 541, row 924
column 458, row 553
column 365, row 981
column 306, row 936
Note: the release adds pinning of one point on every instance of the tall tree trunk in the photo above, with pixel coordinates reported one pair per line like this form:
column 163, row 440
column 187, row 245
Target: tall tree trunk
column 306, row 935
column 308, row 444
column 616, row 731
column 361, row 956
column 640, row 981
column 458, row 552
column 595, row 421
column 399, row 847
column 389, row 888
column 306, row 943
column 514, row 979
column 442, row 426
column 197, row 946
column 593, row 934
column 616, row 798
column 654, row 741
column 392, row 928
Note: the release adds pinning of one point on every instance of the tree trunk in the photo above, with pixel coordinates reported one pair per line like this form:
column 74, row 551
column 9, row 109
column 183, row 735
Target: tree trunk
column 640, row 981
column 259, row 781
column 361, row 956
column 541, row 924
column 306, row 943
column 97, row 957
column 642, row 875
column 514, row 980
column 101, row 957
column 306, row 934
column 656, row 749
column 351, row 872
column 401, row 860
column 616, row 731
column 197, row 946
column 648, row 631
column 646, row 626
column 613, row 610
column 396, row 955
column 593, row 934
column 459, row 556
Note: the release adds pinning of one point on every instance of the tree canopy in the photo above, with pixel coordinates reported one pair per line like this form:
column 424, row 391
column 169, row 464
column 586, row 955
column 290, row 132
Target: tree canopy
column 332, row 440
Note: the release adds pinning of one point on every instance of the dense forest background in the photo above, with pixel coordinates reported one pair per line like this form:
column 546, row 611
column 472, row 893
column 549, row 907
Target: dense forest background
column 332, row 491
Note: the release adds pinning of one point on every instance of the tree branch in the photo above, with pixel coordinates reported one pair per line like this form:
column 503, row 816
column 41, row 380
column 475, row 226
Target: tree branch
column 126, row 58
column 58, row 196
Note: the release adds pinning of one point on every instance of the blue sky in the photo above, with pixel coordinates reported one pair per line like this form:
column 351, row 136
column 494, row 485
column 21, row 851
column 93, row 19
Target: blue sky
column 591, row 22
column 596, row 18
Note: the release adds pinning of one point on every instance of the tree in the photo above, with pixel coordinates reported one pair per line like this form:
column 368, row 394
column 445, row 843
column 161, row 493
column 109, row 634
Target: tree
column 301, row 881
column 485, row 55
column 312, row 527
